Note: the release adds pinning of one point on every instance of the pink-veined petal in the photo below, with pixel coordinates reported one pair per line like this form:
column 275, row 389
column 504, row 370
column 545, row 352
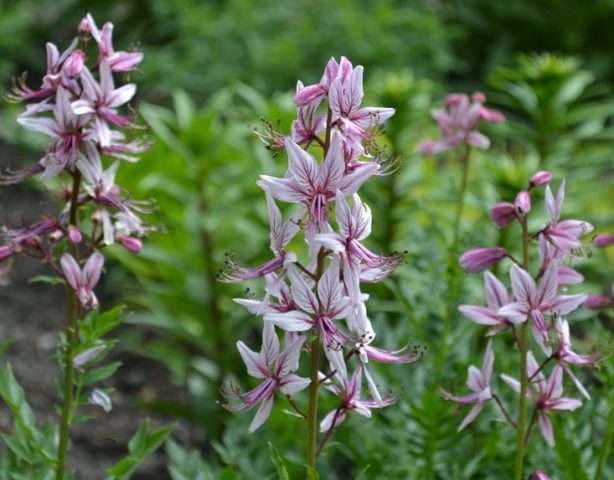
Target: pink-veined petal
column 327, row 422
column 121, row 95
column 515, row 312
column 71, row 270
column 288, row 360
column 302, row 293
column 512, row 382
column 554, row 388
column 563, row 404
column 577, row 382
column 548, row 285
column 262, row 414
column 332, row 241
column 475, row 379
column 292, row 384
column 270, row 345
column 284, row 189
column 252, row 361
column 564, row 304
column 480, row 315
column 329, row 287
column 292, row 321
column 496, row 293
column 473, row 413
column 337, row 362
column 545, row 426
column 350, row 183
column 523, row 285
column 92, row 270
column 332, row 168
column 301, row 165
column 489, row 360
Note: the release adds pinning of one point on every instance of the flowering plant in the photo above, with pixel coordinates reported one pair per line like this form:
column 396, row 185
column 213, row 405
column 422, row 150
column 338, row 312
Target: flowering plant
column 318, row 303
column 534, row 303
column 91, row 132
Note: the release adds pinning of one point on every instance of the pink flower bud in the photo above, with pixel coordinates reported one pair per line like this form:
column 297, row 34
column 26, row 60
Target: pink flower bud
column 480, row 259
column 131, row 244
column 74, row 63
column 569, row 276
column 598, row 301
column 523, row 203
column 603, row 240
column 540, row 179
column 502, row 214
column 84, row 27
column 5, row 252
column 74, row 235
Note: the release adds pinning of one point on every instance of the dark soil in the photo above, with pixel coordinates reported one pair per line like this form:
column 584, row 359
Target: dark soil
column 33, row 315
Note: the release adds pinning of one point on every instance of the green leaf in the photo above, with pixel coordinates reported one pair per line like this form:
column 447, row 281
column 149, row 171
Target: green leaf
column 282, row 472
column 50, row 279
column 19, row 448
column 98, row 374
column 184, row 109
column 97, row 324
column 142, row 443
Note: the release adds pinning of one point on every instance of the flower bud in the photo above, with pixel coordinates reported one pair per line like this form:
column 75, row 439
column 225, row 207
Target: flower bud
column 503, row 213
column 480, row 259
column 74, row 235
column 84, row 27
column 74, row 63
column 598, row 301
column 131, row 244
column 603, row 240
column 100, row 398
column 523, row 203
column 87, row 355
column 569, row 276
column 540, row 179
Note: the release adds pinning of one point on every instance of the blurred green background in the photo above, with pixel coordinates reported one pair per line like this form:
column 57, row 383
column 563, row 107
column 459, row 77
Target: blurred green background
column 213, row 69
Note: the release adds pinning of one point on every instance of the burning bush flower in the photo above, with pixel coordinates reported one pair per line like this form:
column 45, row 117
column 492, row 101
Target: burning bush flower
column 318, row 303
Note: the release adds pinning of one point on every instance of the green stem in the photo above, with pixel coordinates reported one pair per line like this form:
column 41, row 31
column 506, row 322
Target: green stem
column 71, row 339
column 312, row 412
column 524, row 380
column 607, row 444
column 453, row 270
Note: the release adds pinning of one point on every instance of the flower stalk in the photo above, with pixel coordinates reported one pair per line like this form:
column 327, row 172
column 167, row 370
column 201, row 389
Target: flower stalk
column 72, row 308
column 524, row 380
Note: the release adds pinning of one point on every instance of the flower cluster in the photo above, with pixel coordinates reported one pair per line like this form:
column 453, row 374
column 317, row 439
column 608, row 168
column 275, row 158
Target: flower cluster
column 80, row 108
column 536, row 301
column 320, row 300
column 458, row 123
